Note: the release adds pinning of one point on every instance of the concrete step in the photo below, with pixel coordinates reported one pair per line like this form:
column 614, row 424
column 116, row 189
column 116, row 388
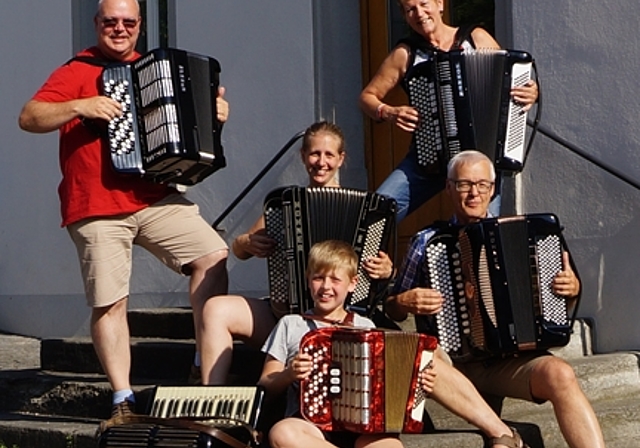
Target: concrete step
column 151, row 359
column 38, row 409
column 619, row 417
column 60, row 390
column 166, row 323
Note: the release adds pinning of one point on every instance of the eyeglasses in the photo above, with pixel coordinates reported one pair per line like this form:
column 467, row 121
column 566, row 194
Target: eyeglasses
column 112, row 22
column 464, row 186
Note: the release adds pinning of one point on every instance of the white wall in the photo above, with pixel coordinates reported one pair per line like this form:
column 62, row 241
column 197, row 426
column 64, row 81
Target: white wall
column 287, row 63
column 587, row 55
column 270, row 54
column 282, row 69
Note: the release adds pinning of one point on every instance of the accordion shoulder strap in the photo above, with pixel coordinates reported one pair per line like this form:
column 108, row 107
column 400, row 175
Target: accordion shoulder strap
column 346, row 322
column 464, row 33
column 91, row 60
column 183, row 423
column 415, row 40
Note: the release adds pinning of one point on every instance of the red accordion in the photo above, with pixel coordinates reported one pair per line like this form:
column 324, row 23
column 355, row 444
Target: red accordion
column 365, row 381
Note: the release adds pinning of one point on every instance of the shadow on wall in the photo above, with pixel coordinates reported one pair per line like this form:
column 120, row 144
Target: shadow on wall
column 609, row 269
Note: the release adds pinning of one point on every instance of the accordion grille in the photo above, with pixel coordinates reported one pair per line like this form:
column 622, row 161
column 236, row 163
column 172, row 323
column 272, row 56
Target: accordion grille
column 549, row 263
column 144, row 436
column 162, row 127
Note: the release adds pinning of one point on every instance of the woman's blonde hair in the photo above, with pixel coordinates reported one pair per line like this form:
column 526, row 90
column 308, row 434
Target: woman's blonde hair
column 319, row 128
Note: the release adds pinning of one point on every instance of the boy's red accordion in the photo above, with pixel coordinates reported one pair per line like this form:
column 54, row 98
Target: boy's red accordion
column 496, row 279
column 365, row 381
column 168, row 131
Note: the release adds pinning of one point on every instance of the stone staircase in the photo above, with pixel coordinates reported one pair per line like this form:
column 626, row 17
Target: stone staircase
column 54, row 394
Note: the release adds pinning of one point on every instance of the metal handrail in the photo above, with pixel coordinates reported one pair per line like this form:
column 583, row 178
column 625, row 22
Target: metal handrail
column 257, row 179
column 605, row 166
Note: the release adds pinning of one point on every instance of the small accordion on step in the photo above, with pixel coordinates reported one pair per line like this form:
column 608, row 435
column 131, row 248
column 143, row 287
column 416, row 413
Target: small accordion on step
column 464, row 102
column 190, row 417
column 168, row 131
column 298, row 217
column 365, row 381
column 496, row 280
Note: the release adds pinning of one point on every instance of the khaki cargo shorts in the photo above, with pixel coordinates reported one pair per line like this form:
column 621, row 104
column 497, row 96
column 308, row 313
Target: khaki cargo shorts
column 171, row 229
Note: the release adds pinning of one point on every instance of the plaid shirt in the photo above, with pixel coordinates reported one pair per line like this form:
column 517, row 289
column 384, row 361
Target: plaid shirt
column 413, row 274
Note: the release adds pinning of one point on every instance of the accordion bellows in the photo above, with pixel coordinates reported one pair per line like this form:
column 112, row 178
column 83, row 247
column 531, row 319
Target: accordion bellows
column 365, row 381
column 297, row 218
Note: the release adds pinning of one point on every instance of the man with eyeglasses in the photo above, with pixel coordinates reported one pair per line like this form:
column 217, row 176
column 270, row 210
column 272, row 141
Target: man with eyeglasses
column 106, row 213
column 537, row 376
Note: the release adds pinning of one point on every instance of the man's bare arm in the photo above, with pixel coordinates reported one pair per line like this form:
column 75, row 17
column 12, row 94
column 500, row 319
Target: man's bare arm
column 40, row 116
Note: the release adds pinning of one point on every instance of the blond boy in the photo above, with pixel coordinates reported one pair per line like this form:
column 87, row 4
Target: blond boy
column 331, row 274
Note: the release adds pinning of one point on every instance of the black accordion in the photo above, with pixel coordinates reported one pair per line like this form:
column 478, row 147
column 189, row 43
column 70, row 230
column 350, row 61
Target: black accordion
column 297, row 218
column 496, row 280
column 190, row 417
column 464, row 102
column 168, row 131
column 365, row 381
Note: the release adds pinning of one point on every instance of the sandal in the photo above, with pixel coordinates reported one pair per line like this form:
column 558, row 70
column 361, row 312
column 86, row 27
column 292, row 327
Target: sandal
column 512, row 441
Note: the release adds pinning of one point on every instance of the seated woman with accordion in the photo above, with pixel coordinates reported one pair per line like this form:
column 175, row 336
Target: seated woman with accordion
column 232, row 317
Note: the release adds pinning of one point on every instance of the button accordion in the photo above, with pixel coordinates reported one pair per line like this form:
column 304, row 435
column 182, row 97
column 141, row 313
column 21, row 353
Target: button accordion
column 168, row 131
column 297, row 218
column 190, row 417
column 496, row 280
column 464, row 102
column 365, row 381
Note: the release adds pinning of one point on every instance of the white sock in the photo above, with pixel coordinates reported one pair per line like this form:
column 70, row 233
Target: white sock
column 121, row 395
column 196, row 360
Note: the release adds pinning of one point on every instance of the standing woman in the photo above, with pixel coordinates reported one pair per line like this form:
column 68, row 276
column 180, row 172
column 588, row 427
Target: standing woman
column 407, row 184
column 230, row 317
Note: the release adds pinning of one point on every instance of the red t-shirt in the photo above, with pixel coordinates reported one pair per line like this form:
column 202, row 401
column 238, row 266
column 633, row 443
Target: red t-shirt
column 90, row 187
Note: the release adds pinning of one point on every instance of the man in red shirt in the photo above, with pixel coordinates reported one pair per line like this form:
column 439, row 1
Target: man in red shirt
column 105, row 212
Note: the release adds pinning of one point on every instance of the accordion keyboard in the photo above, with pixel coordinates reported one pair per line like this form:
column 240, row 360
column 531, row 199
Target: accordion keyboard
column 517, row 117
column 240, row 404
